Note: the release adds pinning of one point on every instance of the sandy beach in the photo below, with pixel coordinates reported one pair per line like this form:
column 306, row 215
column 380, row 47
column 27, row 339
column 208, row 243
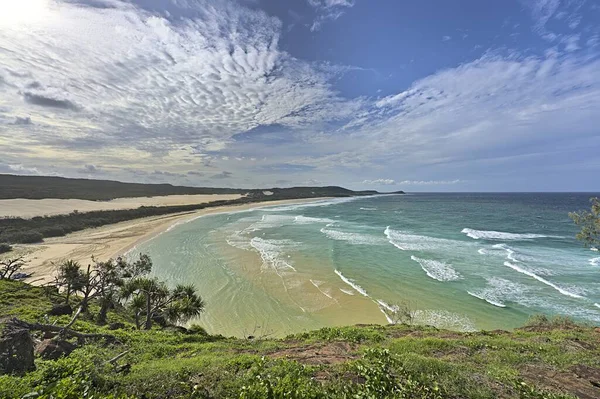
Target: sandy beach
column 28, row 208
column 111, row 241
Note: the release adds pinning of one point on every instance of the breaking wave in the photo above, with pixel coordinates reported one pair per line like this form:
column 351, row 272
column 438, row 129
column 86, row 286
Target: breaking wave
column 499, row 235
column 499, row 290
column 414, row 242
column 271, row 253
column 437, row 270
column 542, row 280
column 352, row 284
column 352, row 238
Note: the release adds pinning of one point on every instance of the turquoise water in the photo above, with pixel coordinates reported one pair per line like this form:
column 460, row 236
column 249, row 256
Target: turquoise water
column 459, row 261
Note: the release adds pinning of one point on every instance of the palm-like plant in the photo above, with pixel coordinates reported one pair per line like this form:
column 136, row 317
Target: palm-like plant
column 186, row 304
column 70, row 277
column 151, row 297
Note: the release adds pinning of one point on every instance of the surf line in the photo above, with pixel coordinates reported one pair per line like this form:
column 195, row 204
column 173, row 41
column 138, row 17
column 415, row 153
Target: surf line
column 380, row 304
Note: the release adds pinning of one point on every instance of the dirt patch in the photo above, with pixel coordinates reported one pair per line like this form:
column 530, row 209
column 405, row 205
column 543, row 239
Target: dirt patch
column 581, row 381
column 329, row 353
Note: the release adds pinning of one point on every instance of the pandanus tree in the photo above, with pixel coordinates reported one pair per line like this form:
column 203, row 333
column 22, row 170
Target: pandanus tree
column 70, row 278
column 103, row 282
column 151, row 298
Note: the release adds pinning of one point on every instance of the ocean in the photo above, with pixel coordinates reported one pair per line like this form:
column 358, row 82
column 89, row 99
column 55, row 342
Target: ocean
column 456, row 261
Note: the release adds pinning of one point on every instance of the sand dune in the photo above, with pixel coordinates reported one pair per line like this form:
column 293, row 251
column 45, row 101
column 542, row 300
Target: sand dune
column 28, row 208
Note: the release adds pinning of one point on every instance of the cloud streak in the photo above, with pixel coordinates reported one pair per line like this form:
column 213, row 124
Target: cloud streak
column 211, row 87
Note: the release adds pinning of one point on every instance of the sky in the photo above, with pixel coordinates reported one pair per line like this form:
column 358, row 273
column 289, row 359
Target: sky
column 427, row 95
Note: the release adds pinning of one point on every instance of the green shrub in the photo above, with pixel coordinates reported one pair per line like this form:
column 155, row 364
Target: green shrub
column 4, row 247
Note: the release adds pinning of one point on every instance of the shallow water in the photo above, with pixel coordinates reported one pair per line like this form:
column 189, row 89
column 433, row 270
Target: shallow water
column 459, row 261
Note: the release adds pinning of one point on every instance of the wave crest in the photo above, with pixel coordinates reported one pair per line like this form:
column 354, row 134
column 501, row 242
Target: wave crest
column 500, row 235
column 437, row 270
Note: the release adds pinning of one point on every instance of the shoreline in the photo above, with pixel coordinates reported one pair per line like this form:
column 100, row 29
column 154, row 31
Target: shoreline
column 113, row 240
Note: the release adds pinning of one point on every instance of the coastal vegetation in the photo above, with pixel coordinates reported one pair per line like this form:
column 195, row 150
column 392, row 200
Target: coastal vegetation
column 548, row 358
column 42, row 187
column 589, row 222
column 25, row 231
column 111, row 330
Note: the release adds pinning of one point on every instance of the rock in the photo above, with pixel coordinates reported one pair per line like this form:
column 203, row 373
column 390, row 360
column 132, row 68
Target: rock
column 51, row 349
column 16, row 352
column 116, row 326
column 61, row 310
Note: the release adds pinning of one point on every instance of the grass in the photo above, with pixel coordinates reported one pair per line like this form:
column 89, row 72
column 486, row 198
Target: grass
column 399, row 361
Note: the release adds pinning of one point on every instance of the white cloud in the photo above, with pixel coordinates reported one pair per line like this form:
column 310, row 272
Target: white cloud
column 430, row 182
column 386, row 182
column 172, row 88
column 89, row 74
column 328, row 10
column 542, row 11
column 18, row 169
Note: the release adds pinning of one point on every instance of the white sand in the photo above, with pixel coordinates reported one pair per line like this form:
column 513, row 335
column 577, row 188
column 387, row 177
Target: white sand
column 109, row 241
column 28, row 208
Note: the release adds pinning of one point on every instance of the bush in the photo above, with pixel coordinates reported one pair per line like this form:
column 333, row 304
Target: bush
column 4, row 247
column 196, row 329
column 23, row 237
column 556, row 322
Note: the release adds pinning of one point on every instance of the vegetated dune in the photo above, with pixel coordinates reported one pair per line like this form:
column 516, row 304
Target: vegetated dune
column 28, row 208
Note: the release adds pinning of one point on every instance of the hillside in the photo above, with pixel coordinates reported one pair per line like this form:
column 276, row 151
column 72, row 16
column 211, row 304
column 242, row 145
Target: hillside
column 39, row 187
column 547, row 359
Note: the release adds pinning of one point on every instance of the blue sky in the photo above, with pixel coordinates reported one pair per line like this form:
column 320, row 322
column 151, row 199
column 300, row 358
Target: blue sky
column 424, row 95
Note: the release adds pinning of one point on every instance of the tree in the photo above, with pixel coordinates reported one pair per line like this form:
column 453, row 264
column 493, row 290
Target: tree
column 152, row 298
column 589, row 223
column 9, row 267
column 70, row 277
column 104, row 281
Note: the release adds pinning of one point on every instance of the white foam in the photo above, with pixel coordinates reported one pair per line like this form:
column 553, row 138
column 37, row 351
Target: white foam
column 270, row 222
column 352, row 238
column 516, row 257
column 315, row 204
column 300, row 219
column 391, row 308
column 238, row 240
column 499, row 290
column 317, row 285
column 482, row 251
column 499, row 235
column 383, row 307
column 348, row 292
column 597, row 305
column 271, row 252
column 368, row 209
column 437, row 270
column 542, row 280
column 413, row 242
column 352, row 284
column 509, row 251
column 595, row 261
column 488, row 300
column 594, row 249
